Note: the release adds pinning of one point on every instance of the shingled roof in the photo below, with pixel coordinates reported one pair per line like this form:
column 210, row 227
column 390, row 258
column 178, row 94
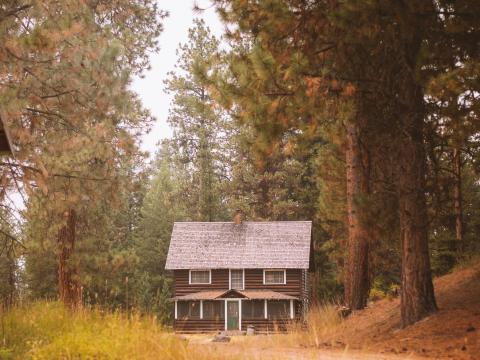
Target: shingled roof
column 224, row 245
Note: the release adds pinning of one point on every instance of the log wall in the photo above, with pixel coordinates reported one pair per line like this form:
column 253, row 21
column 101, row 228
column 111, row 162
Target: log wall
column 253, row 281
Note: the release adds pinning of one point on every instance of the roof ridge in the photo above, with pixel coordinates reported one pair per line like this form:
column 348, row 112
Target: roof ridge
column 231, row 222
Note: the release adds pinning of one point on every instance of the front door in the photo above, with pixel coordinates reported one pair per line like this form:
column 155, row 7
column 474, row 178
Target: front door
column 233, row 315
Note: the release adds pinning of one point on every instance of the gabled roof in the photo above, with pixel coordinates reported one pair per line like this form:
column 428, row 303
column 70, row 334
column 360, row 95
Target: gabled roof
column 249, row 245
column 246, row 294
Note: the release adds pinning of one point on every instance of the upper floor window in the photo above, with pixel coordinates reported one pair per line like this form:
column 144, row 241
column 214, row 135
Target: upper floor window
column 237, row 279
column 200, row 277
column 274, row 277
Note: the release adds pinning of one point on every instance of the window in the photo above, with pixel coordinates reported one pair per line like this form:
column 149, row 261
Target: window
column 236, row 279
column 200, row 277
column 213, row 310
column 272, row 277
column 278, row 309
column 253, row 309
column 188, row 310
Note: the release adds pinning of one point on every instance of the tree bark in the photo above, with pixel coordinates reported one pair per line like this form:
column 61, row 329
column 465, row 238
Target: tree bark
column 357, row 284
column 70, row 290
column 417, row 294
column 457, row 199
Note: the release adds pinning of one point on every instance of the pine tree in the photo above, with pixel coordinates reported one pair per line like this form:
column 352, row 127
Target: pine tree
column 66, row 96
column 199, row 126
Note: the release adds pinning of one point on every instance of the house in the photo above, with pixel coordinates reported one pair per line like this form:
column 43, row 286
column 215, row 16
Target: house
column 231, row 275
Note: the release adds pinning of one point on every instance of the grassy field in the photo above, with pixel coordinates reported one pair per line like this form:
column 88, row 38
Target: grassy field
column 46, row 330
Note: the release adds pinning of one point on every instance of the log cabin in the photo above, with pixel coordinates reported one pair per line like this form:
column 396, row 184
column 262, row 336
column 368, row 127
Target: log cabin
column 232, row 275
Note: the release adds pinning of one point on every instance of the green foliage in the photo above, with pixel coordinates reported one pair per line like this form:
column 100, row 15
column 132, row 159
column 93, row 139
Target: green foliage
column 76, row 126
column 200, row 131
column 161, row 206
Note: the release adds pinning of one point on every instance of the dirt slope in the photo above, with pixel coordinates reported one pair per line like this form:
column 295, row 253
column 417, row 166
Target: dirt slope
column 453, row 332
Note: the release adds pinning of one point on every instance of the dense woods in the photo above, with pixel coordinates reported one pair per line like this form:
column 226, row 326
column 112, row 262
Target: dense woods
column 360, row 116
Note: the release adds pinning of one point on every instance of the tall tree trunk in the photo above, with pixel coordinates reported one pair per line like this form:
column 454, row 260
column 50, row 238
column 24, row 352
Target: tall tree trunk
column 417, row 295
column 457, row 199
column 357, row 284
column 69, row 288
column 417, row 298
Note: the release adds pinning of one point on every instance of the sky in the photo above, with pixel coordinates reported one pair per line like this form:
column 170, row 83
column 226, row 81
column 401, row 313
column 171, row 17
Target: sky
column 151, row 87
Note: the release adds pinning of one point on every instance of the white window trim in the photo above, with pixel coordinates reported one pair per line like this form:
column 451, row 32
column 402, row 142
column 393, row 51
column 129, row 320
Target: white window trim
column 230, row 279
column 284, row 277
column 176, row 310
column 190, row 277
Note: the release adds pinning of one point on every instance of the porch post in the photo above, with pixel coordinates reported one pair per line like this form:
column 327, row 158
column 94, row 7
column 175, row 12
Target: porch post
column 265, row 310
column 225, row 314
column 176, row 311
column 292, row 315
column 201, row 309
column 240, row 314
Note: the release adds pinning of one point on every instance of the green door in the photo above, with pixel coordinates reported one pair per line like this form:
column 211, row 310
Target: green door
column 232, row 315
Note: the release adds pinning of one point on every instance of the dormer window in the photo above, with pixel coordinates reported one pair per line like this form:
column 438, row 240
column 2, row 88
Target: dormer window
column 274, row 277
column 200, row 277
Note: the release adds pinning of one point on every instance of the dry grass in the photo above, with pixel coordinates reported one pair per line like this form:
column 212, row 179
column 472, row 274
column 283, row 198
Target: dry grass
column 46, row 330
column 322, row 321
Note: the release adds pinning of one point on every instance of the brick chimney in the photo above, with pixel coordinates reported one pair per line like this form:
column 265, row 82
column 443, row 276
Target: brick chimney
column 238, row 217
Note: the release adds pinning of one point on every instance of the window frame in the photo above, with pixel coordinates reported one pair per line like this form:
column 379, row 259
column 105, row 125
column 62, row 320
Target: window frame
column 284, row 277
column 222, row 310
column 200, row 283
column 286, row 305
column 188, row 316
column 259, row 301
column 230, row 279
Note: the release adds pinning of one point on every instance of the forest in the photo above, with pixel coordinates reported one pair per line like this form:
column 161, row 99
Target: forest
column 362, row 116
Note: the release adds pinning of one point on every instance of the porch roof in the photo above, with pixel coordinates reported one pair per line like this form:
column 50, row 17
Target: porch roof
column 246, row 294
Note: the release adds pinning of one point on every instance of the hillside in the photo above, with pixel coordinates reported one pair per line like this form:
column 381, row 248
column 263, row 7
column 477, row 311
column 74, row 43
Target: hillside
column 452, row 332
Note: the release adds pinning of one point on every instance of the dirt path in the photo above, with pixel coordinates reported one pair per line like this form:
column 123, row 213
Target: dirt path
column 307, row 354
column 239, row 349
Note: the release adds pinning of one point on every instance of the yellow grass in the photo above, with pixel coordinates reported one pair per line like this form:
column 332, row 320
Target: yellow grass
column 46, row 330
column 322, row 321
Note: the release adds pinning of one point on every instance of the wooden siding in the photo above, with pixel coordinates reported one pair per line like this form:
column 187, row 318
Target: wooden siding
column 293, row 287
column 182, row 287
column 261, row 326
column 198, row 325
column 253, row 281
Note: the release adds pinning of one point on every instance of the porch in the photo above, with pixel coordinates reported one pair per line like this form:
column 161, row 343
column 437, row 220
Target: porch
column 234, row 310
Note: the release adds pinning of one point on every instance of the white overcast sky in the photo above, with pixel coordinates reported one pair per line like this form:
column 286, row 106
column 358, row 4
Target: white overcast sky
column 150, row 88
